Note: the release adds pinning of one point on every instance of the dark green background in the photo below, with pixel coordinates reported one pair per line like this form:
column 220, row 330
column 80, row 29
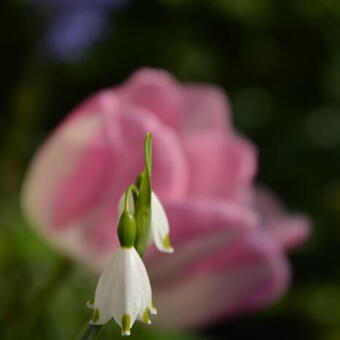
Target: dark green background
column 279, row 61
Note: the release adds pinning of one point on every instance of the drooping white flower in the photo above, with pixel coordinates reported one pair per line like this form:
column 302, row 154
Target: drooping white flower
column 159, row 228
column 123, row 291
column 159, row 225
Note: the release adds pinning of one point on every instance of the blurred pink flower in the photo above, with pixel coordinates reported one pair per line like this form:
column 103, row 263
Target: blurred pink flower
column 230, row 239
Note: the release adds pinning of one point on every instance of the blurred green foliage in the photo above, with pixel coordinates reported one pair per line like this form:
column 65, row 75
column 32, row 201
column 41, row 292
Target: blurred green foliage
column 279, row 61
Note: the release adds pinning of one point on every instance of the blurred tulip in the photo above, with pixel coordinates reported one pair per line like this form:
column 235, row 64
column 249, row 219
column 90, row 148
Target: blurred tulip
column 229, row 238
column 218, row 271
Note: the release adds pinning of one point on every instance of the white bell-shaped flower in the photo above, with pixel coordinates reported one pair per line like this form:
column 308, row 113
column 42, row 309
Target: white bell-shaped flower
column 159, row 232
column 123, row 291
column 159, row 228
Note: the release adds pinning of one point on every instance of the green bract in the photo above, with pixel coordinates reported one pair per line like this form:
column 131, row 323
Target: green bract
column 127, row 223
column 143, row 201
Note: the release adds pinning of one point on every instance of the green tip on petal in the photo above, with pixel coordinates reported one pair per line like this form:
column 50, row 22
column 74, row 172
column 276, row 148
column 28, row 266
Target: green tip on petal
column 126, row 320
column 166, row 244
column 153, row 309
column 95, row 316
column 146, row 318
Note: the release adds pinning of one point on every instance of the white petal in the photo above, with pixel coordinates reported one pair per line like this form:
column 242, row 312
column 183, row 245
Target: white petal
column 128, row 292
column 146, row 291
column 160, row 225
column 106, row 283
column 123, row 291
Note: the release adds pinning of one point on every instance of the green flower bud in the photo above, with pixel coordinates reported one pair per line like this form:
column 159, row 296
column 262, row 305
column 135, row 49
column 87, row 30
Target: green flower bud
column 127, row 230
column 127, row 223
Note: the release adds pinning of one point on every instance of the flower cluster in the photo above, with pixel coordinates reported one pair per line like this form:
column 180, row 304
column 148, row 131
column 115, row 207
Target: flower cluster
column 123, row 291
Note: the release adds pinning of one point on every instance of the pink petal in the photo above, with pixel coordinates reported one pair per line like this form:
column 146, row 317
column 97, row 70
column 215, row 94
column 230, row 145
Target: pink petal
column 157, row 92
column 102, row 101
column 267, row 202
column 79, row 142
column 220, row 166
column 82, row 189
column 56, row 160
column 197, row 229
column 248, row 273
column 290, row 230
column 205, row 108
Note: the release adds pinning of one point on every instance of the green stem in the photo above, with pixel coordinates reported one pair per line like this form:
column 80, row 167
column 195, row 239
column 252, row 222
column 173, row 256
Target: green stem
column 132, row 189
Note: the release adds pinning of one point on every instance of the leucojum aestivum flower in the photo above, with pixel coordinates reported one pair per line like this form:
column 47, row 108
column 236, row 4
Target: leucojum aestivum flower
column 123, row 291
